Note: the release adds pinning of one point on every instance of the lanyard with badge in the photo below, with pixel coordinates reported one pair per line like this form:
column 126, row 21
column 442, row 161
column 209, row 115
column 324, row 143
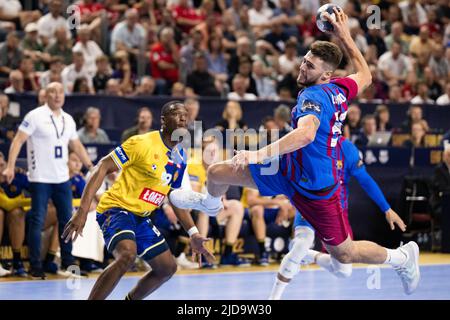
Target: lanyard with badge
column 58, row 149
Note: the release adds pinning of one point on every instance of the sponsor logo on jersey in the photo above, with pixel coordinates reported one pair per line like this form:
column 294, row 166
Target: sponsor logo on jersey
column 310, row 106
column 151, row 196
column 120, row 153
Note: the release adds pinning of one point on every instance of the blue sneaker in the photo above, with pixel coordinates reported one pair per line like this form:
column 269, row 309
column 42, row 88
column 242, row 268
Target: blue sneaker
column 19, row 270
column 50, row 267
column 263, row 259
column 233, row 260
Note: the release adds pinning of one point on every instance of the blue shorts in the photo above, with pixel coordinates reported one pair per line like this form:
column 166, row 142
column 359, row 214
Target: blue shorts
column 118, row 224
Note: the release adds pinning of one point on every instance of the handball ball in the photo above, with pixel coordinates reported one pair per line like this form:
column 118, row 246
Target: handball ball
column 322, row 23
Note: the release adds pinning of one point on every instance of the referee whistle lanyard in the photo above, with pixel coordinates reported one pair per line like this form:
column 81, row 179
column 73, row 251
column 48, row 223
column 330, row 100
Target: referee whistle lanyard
column 58, row 135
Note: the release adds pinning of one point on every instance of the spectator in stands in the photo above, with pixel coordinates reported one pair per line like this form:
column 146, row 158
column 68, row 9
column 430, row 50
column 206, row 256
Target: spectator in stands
column 54, row 73
column 123, row 71
column 90, row 49
column 81, row 85
column 128, row 35
column 146, row 87
column 103, row 73
column 16, row 82
column 377, row 91
column 8, row 123
column 421, row 45
column 10, row 54
column 195, row 129
column 422, row 94
column 439, row 64
column 232, row 117
column 179, row 90
column 243, row 50
column 369, row 127
column 217, row 64
column 48, row 171
column 445, row 98
column 113, row 88
column 282, row 118
column 76, row 70
column 290, row 81
column 91, row 131
column 186, row 16
column 413, row 14
column 268, row 55
column 232, row 214
column 188, row 52
column 245, row 70
column 417, row 138
column 414, row 115
column 285, row 94
column 395, row 94
column 165, row 61
column 259, row 15
column 289, row 59
column 239, row 86
column 144, row 124
column 352, row 127
column 382, row 116
column 434, row 87
column 48, row 24
column 394, row 65
column 30, row 81
column 33, row 48
column 397, row 35
column 61, row 47
column 265, row 86
column 200, row 81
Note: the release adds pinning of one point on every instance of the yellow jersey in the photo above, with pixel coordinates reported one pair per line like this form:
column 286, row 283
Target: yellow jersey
column 197, row 172
column 149, row 170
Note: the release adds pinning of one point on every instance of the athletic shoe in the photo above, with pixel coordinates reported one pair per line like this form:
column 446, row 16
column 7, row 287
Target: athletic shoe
column 37, row 274
column 208, row 265
column 233, row 259
column 263, row 259
column 188, row 199
column 19, row 270
column 184, row 263
column 4, row 272
column 409, row 272
column 75, row 273
column 50, row 267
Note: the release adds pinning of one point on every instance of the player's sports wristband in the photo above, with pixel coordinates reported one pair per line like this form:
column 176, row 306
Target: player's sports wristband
column 192, row 231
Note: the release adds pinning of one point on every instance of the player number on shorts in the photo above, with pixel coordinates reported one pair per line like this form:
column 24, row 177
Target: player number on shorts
column 156, row 231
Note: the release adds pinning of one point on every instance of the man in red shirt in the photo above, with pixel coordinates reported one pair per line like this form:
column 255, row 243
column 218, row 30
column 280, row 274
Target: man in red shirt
column 186, row 16
column 165, row 58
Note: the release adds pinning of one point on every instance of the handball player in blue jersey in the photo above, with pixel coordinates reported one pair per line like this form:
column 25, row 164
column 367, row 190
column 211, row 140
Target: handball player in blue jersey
column 349, row 164
column 306, row 159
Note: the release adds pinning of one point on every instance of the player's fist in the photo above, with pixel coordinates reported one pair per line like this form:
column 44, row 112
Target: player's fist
column 340, row 23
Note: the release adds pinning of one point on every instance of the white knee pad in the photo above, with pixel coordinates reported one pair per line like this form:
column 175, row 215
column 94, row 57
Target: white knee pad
column 290, row 265
column 341, row 270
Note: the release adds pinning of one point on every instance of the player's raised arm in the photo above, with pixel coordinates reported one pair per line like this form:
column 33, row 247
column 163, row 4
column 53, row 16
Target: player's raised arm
column 99, row 172
column 362, row 75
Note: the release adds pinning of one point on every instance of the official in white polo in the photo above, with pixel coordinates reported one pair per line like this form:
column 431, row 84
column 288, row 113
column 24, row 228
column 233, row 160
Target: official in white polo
column 49, row 131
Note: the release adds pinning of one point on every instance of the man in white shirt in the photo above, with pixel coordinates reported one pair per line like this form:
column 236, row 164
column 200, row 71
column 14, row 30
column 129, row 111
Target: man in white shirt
column 51, row 21
column 77, row 69
column 240, row 85
column 49, row 131
column 394, row 65
column 90, row 49
column 128, row 35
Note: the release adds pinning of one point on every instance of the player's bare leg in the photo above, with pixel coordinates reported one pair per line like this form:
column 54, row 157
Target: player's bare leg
column 405, row 259
column 124, row 254
column 234, row 213
column 220, row 176
column 163, row 268
column 16, row 227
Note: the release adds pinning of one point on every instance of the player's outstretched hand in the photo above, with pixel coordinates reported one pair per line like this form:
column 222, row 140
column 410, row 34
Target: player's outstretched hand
column 243, row 157
column 340, row 25
column 199, row 249
column 74, row 226
column 393, row 219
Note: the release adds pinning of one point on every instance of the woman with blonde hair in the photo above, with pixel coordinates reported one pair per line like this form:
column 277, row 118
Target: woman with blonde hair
column 232, row 117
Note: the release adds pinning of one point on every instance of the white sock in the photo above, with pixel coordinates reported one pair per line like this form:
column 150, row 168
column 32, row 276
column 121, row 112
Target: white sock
column 212, row 202
column 278, row 289
column 395, row 257
column 324, row 260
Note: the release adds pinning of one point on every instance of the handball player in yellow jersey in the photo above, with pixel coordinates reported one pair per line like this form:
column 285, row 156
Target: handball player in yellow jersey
column 152, row 165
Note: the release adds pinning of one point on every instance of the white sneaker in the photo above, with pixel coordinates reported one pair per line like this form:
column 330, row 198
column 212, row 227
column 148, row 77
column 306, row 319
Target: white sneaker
column 409, row 272
column 185, row 263
column 4, row 272
column 188, row 199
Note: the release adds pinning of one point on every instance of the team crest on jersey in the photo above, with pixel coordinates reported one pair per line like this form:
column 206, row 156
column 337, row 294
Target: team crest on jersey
column 339, row 164
column 154, row 167
column 151, row 196
column 310, row 106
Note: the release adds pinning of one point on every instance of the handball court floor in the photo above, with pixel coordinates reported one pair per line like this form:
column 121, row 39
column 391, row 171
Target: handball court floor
column 253, row 283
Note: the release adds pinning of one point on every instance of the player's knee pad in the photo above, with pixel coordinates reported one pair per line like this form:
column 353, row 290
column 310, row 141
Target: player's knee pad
column 304, row 234
column 341, row 270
